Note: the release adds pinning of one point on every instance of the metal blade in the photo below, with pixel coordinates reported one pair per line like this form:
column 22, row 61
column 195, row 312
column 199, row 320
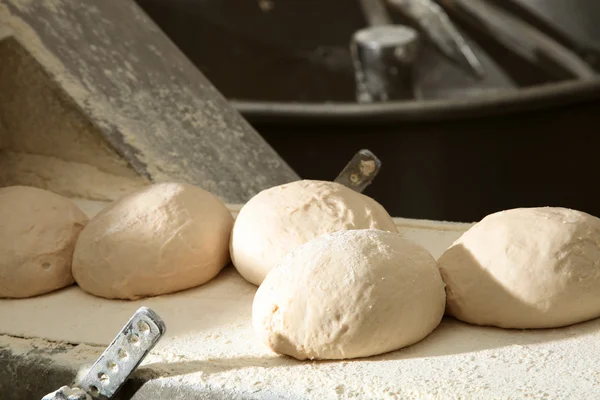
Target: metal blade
column 360, row 171
column 124, row 354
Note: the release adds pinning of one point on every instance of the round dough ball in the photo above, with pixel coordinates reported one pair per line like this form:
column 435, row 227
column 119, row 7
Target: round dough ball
column 161, row 239
column 38, row 231
column 525, row 268
column 279, row 219
column 349, row 294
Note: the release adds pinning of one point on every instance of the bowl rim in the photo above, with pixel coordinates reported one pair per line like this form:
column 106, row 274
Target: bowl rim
column 494, row 103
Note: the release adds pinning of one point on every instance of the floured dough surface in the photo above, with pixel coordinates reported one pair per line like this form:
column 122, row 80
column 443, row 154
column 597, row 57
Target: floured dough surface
column 211, row 351
column 526, row 268
column 38, row 231
column 160, row 239
column 349, row 294
column 279, row 219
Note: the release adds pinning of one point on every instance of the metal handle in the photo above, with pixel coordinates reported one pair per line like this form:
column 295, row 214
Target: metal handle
column 124, row 354
column 360, row 171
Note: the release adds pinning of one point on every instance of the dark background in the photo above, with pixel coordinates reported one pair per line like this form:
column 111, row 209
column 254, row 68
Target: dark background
column 454, row 169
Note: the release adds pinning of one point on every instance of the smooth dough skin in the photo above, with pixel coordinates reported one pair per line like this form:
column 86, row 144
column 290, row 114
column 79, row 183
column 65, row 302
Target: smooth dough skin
column 161, row 239
column 279, row 219
column 38, row 231
column 525, row 268
column 349, row 294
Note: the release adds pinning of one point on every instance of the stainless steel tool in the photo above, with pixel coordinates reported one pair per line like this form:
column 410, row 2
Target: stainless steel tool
column 360, row 171
column 118, row 361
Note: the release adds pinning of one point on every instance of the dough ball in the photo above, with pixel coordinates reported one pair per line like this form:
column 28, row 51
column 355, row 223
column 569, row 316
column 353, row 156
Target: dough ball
column 279, row 219
column 525, row 268
column 349, row 294
column 38, row 231
column 161, row 239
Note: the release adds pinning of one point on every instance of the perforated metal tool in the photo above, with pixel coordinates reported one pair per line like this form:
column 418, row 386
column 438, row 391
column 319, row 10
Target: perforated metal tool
column 118, row 361
column 360, row 171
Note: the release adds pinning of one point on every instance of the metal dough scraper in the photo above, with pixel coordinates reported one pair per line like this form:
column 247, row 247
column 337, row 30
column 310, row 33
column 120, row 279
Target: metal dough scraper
column 360, row 171
column 118, row 361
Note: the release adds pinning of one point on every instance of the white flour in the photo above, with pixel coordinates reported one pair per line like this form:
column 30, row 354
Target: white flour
column 67, row 178
column 61, row 110
column 43, row 134
column 210, row 345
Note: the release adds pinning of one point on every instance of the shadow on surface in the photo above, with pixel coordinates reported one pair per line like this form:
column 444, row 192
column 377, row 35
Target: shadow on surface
column 501, row 304
column 212, row 366
column 452, row 337
column 455, row 337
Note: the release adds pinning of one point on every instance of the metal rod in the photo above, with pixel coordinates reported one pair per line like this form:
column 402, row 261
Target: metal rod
column 440, row 30
column 519, row 37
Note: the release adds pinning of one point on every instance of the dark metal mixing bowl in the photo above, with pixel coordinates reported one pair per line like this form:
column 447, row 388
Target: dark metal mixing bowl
column 287, row 70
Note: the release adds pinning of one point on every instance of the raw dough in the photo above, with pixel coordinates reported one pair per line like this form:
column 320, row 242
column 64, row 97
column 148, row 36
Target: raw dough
column 525, row 268
column 279, row 219
column 160, row 239
column 38, row 230
column 349, row 294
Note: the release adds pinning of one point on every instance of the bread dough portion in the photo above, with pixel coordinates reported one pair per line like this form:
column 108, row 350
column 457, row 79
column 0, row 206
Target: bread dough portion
column 525, row 268
column 38, row 231
column 161, row 239
column 349, row 294
column 279, row 219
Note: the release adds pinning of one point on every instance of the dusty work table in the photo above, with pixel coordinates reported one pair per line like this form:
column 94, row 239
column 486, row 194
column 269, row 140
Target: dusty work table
column 210, row 351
